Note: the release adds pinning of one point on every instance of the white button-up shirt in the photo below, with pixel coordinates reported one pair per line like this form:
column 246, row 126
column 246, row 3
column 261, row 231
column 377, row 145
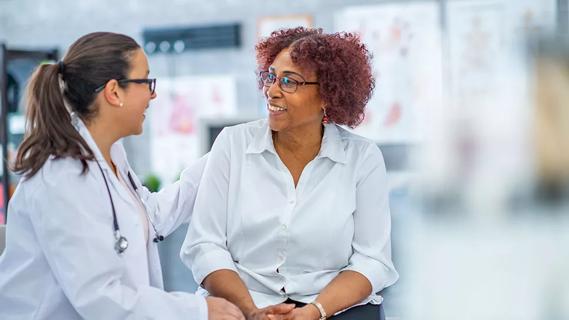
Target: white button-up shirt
column 288, row 242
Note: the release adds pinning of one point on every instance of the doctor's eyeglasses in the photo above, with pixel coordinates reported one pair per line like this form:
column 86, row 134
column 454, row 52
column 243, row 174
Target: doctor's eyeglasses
column 151, row 84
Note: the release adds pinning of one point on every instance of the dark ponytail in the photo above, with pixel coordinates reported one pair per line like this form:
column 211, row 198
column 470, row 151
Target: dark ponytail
column 89, row 63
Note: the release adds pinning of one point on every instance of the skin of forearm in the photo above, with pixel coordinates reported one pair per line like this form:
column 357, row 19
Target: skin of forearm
column 347, row 289
column 228, row 285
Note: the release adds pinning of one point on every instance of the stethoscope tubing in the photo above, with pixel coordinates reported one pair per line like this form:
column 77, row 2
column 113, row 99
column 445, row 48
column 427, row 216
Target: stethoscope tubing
column 121, row 242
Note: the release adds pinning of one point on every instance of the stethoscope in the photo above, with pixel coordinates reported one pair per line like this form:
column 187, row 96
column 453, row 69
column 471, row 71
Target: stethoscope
column 121, row 243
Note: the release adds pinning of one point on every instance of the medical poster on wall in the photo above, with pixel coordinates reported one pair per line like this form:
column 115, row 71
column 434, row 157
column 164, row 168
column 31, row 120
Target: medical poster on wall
column 485, row 39
column 405, row 40
column 477, row 50
column 175, row 114
column 488, row 85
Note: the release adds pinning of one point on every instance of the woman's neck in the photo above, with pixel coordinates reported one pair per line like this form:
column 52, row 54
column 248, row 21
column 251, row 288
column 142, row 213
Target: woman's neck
column 303, row 139
column 103, row 135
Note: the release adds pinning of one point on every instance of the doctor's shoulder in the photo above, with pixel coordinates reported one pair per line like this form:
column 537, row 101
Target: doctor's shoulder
column 62, row 173
column 58, row 177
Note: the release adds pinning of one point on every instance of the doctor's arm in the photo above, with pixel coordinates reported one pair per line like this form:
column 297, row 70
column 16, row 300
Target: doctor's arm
column 173, row 205
column 72, row 220
column 370, row 268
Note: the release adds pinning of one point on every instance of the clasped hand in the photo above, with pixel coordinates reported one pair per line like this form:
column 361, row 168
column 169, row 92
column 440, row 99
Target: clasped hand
column 284, row 312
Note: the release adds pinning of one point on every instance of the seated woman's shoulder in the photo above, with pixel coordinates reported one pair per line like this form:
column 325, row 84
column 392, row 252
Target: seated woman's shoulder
column 356, row 141
column 247, row 130
column 254, row 125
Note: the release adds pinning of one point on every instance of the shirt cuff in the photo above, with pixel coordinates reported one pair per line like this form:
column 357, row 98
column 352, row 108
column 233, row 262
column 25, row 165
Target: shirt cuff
column 208, row 260
column 202, row 308
column 184, row 303
column 379, row 274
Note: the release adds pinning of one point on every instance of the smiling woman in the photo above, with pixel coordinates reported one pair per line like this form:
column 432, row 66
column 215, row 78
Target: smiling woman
column 269, row 232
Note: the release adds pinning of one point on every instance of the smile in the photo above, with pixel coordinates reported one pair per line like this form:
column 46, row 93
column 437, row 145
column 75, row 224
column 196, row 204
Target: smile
column 274, row 108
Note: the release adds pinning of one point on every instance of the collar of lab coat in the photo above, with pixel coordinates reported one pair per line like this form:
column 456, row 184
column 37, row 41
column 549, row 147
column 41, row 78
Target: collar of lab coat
column 332, row 146
column 117, row 150
column 118, row 155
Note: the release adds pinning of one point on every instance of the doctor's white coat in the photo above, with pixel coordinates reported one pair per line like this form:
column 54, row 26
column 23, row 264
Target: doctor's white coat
column 60, row 262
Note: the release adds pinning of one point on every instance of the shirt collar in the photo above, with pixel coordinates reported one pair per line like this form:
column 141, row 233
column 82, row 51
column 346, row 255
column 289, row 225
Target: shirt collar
column 262, row 140
column 332, row 145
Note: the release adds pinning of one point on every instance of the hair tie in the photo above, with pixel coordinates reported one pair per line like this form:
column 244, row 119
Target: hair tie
column 61, row 67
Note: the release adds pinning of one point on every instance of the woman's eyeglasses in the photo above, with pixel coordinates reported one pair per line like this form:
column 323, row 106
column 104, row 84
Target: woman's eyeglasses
column 286, row 84
column 151, row 84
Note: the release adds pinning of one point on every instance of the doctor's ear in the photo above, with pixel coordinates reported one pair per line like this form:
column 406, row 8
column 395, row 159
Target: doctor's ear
column 112, row 93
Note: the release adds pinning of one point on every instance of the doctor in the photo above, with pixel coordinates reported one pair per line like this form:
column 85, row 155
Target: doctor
column 82, row 231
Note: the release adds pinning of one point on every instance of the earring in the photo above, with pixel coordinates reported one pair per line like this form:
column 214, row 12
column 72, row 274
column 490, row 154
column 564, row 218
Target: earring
column 121, row 104
column 325, row 119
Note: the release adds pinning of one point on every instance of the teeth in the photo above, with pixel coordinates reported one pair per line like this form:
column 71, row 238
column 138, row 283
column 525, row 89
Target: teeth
column 276, row 108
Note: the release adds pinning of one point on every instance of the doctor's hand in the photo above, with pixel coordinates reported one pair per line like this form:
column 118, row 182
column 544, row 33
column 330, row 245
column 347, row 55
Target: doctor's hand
column 221, row 309
column 275, row 312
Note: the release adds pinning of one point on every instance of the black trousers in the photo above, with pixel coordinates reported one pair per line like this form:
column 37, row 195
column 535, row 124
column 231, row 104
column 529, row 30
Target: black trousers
column 363, row 312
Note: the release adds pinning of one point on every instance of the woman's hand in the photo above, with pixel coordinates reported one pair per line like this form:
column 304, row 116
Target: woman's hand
column 308, row 312
column 221, row 309
column 276, row 312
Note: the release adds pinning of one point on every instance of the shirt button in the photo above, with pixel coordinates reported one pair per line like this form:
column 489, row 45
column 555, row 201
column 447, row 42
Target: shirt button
column 292, row 201
column 283, row 227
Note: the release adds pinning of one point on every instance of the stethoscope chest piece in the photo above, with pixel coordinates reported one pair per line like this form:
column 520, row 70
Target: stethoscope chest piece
column 121, row 245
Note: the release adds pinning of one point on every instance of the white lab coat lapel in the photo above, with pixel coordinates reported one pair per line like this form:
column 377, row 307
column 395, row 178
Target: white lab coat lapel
column 138, row 255
column 154, row 267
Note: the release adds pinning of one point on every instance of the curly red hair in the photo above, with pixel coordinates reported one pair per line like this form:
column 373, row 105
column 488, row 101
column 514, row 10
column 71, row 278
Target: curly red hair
column 341, row 62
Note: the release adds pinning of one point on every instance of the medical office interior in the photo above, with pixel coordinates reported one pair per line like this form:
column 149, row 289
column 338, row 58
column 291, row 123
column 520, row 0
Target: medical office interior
column 470, row 110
